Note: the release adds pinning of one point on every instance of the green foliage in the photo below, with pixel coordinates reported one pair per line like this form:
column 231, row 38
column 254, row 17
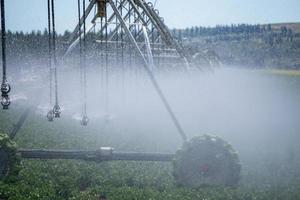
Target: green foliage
column 10, row 164
column 79, row 180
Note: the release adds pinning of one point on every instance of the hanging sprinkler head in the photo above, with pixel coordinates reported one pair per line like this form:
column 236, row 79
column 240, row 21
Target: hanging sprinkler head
column 5, row 101
column 50, row 116
column 56, row 111
column 5, row 89
column 84, row 121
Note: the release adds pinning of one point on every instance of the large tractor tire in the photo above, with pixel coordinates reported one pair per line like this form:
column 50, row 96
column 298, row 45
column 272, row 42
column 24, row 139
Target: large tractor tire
column 206, row 161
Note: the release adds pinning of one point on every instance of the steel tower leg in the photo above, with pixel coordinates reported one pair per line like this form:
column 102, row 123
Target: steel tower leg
column 149, row 72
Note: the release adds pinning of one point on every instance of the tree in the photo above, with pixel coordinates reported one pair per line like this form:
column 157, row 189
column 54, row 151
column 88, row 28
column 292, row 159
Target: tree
column 269, row 27
column 290, row 36
column 283, row 31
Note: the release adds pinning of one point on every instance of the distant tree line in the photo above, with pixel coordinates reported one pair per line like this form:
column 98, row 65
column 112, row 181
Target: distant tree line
column 35, row 43
column 31, row 48
column 271, row 45
column 243, row 31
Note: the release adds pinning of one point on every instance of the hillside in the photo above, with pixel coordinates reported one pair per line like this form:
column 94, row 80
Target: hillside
column 255, row 46
column 294, row 26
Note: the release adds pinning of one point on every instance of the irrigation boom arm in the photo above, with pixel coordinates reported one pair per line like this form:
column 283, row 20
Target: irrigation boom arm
column 103, row 154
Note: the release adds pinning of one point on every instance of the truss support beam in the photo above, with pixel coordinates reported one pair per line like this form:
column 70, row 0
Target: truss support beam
column 164, row 31
column 123, row 3
column 158, row 26
column 78, row 26
column 139, row 17
column 126, row 29
column 114, row 32
column 137, row 12
column 140, row 33
column 150, row 74
column 74, row 43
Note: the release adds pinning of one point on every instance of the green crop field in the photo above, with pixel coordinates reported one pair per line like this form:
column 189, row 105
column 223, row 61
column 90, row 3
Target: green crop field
column 285, row 72
column 79, row 180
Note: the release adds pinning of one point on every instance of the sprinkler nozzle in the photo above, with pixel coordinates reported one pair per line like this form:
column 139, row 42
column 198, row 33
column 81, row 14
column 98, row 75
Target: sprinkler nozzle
column 5, row 87
column 5, row 101
column 56, row 111
column 50, row 116
column 84, row 121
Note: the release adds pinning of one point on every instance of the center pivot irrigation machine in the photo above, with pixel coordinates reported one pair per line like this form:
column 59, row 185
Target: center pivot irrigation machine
column 130, row 32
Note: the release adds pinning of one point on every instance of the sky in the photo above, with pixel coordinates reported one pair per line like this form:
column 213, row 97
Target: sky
column 28, row 15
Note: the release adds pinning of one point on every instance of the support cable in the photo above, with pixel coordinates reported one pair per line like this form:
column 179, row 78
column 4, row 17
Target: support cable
column 122, row 43
column 80, row 55
column 130, row 52
column 56, row 108
column 85, row 119
column 122, row 61
column 5, row 87
column 130, row 67
column 106, row 65
column 102, row 53
column 80, row 51
column 135, row 36
column 50, row 114
column 117, row 38
column 80, row 39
